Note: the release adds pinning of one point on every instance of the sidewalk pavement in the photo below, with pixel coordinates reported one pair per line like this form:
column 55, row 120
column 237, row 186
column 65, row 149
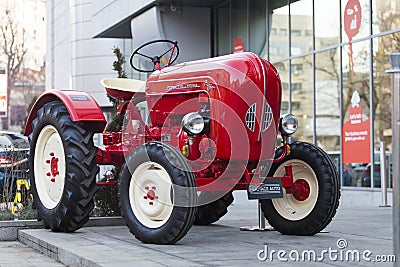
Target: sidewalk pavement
column 363, row 231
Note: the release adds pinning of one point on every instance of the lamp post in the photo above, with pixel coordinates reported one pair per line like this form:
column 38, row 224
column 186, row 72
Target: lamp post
column 395, row 71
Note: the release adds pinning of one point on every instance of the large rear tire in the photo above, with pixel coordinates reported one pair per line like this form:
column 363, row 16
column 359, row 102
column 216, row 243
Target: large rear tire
column 315, row 201
column 157, row 194
column 63, row 168
column 212, row 212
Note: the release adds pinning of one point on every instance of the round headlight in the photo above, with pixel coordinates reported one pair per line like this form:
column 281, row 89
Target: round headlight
column 193, row 123
column 288, row 124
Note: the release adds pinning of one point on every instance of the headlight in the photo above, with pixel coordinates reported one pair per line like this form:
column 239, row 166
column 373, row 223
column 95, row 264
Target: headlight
column 193, row 123
column 288, row 124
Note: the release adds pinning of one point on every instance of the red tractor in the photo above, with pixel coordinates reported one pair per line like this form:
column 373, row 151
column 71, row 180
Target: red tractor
column 192, row 133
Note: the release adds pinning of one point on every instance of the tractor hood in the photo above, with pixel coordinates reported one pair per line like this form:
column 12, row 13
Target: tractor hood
column 243, row 95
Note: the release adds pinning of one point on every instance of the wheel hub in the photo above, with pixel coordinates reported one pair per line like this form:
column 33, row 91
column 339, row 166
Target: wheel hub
column 151, row 194
column 53, row 167
column 301, row 190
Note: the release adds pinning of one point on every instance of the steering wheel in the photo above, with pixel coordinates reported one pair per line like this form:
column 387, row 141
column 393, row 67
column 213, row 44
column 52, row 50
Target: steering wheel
column 157, row 62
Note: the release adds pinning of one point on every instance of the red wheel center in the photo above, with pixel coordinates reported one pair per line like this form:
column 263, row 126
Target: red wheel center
column 301, row 190
column 54, row 166
column 151, row 194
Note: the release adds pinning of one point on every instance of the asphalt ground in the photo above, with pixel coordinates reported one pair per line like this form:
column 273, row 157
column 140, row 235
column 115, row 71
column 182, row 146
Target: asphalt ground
column 357, row 236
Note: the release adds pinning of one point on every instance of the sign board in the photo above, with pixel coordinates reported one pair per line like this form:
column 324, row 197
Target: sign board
column 352, row 23
column 3, row 93
column 238, row 45
column 352, row 18
column 356, row 134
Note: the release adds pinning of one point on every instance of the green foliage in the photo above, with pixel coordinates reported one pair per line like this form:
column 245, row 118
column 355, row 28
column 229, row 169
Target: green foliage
column 26, row 213
column 116, row 123
column 106, row 199
column 119, row 62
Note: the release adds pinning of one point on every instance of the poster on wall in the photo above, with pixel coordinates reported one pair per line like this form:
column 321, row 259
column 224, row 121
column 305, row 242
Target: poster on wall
column 3, row 93
column 356, row 134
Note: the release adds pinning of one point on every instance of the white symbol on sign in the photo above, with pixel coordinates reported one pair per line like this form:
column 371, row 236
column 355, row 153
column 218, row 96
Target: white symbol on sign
column 355, row 99
column 350, row 11
column 353, row 24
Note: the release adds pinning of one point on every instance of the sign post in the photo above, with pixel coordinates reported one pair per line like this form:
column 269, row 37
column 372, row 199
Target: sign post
column 3, row 93
column 395, row 63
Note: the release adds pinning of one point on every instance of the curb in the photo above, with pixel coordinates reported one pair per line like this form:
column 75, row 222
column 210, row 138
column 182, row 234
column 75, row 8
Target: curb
column 9, row 229
column 55, row 252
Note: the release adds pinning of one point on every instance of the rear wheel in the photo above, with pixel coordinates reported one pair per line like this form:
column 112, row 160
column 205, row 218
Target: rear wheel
column 212, row 212
column 63, row 164
column 311, row 203
column 157, row 194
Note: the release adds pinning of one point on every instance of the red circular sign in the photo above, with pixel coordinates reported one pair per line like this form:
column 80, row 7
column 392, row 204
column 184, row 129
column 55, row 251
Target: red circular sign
column 352, row 18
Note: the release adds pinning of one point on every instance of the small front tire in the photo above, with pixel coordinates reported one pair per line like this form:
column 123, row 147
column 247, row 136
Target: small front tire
column 157, row 194
column 309, row 208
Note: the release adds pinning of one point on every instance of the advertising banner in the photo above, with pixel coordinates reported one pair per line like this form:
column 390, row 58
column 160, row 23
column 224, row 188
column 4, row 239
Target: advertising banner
column 356, row 134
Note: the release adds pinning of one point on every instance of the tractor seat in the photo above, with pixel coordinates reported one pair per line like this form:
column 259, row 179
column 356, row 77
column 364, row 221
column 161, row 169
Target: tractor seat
column 123, row 89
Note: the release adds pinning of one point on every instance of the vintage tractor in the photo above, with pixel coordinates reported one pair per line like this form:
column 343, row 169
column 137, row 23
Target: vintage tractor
column 192, row 133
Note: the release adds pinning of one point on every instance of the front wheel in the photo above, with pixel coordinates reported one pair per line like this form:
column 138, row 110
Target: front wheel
column 157, row 194
column 311, row 203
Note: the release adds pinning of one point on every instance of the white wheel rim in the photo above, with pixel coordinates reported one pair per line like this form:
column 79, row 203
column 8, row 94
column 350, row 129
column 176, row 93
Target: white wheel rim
column 289, row 207
column 49, row 167
column 150, row 194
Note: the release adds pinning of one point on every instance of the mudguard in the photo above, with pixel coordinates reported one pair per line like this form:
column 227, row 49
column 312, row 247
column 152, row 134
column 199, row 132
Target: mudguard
column 80, row 105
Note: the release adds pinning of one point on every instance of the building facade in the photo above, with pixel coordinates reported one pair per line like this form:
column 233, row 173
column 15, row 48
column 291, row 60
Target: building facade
column 331, row 56
column 23, row 28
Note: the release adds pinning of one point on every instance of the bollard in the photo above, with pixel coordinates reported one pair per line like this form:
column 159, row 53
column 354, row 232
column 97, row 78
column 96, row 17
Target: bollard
column 383, row 174
column 395, row 64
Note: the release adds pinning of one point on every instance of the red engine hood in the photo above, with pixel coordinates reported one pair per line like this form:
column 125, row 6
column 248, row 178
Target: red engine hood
column 244, row 94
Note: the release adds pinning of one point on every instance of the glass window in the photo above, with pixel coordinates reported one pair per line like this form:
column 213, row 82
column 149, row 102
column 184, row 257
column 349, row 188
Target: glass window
column 385, row 15
column 297, row 69
column 355, row 19
column 296, row 32
column 223, row 21
column 303, row 99
column 327, row 21
column 279, row 19
column 258, row 26
column 283, row 73
column 281, row 66
column 239, row 22
column 296, row 87
column 327, row 90
column 382, row 92
column 301, row 15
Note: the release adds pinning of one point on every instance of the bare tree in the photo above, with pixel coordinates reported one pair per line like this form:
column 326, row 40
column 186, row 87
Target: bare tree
column 13, row 49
